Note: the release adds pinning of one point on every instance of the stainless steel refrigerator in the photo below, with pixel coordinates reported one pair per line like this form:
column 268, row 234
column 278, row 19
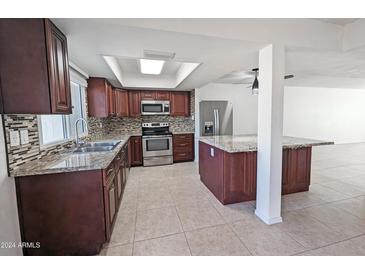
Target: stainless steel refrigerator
column 216, row 118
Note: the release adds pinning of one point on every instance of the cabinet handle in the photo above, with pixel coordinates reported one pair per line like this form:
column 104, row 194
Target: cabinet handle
column 118, row 158
column 183, row 145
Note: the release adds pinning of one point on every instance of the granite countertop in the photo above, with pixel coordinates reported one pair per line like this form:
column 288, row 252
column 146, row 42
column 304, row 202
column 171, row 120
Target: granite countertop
column 247, row 143
column 71, row 162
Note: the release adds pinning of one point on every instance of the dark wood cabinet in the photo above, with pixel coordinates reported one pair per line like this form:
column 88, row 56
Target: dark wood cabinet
column 136, row 150
column 148, row 95
column 231, row 177
column 183, row 147
column 110, row 198
column 155, row 95
column 34, row 67
column 101, row 98
column 81, row 208
column 64, row 212
column 180, row 103
column 111, row 100
column 122, row 103
column 163, row 95
column 134, row 103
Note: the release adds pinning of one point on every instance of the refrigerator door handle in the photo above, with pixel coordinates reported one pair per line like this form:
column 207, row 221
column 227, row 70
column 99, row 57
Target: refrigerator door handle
column 218, row 122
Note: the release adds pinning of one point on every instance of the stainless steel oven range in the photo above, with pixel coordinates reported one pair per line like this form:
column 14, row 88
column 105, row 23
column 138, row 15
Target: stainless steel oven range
column 157, row 144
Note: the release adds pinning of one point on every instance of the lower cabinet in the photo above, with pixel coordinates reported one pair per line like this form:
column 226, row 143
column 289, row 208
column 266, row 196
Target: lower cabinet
column 183, row 147
column 71, row 213
column 136, row 155
column 110, row 197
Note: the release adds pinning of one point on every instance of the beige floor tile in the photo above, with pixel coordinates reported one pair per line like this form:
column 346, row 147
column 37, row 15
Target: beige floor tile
column 326, row 194
column 262, row 239
column 156, row 223
column 216, row 241
column 154, row 198
column 195, row 216
column 174, row 245
column 354, row 206
column 345, row 189
column 308, row 231
column 120, row 250
column 124, row 228
column 234, row 212
column 188, row 197
column 299, row 200
column 352, row 247
column 338, row 219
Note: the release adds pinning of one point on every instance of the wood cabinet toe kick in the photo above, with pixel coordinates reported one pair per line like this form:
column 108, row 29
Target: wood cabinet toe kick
column 231, row 177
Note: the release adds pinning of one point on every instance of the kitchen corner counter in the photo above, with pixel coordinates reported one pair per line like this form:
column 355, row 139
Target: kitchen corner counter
column 72, row 162
column 183, row 132
column 248, row 143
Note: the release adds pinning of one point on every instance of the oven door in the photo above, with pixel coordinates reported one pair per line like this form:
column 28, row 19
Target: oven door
column 157, row 146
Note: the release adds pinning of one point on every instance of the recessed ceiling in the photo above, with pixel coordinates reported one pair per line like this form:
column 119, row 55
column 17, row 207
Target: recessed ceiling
column 129, row 74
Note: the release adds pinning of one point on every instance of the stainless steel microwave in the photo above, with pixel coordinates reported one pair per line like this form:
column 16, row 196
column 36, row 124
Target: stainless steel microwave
column 149, row 107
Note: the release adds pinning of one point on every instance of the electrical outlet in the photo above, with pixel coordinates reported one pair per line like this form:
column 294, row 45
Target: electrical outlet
column 24, row 138
column 211, row 152
column 14, row 138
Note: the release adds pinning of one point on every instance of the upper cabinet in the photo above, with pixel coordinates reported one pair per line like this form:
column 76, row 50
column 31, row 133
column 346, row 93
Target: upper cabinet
column 34, row 67
column 134, row 103
column 155, row 95
column 121, row 102
column 180, row 103
column 101, row 98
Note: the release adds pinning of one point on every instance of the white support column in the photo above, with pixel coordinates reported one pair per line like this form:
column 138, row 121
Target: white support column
column 270, row 133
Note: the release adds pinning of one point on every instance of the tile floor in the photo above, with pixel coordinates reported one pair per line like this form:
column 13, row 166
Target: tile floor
column 168, row 211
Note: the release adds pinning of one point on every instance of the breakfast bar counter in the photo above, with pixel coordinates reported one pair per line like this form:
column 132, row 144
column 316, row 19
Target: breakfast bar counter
column 228, row 164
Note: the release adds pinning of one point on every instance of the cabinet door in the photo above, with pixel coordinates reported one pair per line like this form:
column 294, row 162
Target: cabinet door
column 121, row 99
column 162, row 95
column 148, row 95
column 136, row 151
column 112, row 195
column 111, row 101
column 59, row 79
column 134, row 99
column 180, row 103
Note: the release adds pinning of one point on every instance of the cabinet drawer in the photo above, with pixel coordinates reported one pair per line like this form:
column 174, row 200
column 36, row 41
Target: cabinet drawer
column 183, row 146
column 183, row 137
column 183, row 156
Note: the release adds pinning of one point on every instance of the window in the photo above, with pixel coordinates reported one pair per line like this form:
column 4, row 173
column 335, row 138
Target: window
column 55, row 129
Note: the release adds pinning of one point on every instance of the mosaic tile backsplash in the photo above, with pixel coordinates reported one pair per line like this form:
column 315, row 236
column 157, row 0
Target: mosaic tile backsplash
column 98, row 127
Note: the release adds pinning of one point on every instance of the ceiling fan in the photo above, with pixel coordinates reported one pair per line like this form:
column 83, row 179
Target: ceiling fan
column 255, row 85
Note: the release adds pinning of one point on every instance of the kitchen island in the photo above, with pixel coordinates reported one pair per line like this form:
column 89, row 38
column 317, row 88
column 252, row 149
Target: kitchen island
column 228, row 164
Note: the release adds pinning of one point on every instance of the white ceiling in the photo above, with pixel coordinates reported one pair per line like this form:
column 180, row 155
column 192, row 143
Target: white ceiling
column 314, row 46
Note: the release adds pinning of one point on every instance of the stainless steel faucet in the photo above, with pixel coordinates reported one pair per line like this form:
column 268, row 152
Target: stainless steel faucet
column 78, row 142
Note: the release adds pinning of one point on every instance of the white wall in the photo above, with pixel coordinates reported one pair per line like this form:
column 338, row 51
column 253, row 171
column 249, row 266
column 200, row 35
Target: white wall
column 334, row 114
column 244, row 105
column 9, row 224
column 325, row 113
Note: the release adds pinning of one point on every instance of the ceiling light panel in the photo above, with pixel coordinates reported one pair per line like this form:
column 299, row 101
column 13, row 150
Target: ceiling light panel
column 149, row 66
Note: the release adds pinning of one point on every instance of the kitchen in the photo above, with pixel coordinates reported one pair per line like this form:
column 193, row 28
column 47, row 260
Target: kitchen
column 154, row 166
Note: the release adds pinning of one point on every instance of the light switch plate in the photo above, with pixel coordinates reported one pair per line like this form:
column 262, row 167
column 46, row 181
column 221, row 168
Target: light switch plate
column 212, row 152
column 14, row 138
column 24, row 138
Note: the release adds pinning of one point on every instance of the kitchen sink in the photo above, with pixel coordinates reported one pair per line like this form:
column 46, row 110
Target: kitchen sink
column 100, row 146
